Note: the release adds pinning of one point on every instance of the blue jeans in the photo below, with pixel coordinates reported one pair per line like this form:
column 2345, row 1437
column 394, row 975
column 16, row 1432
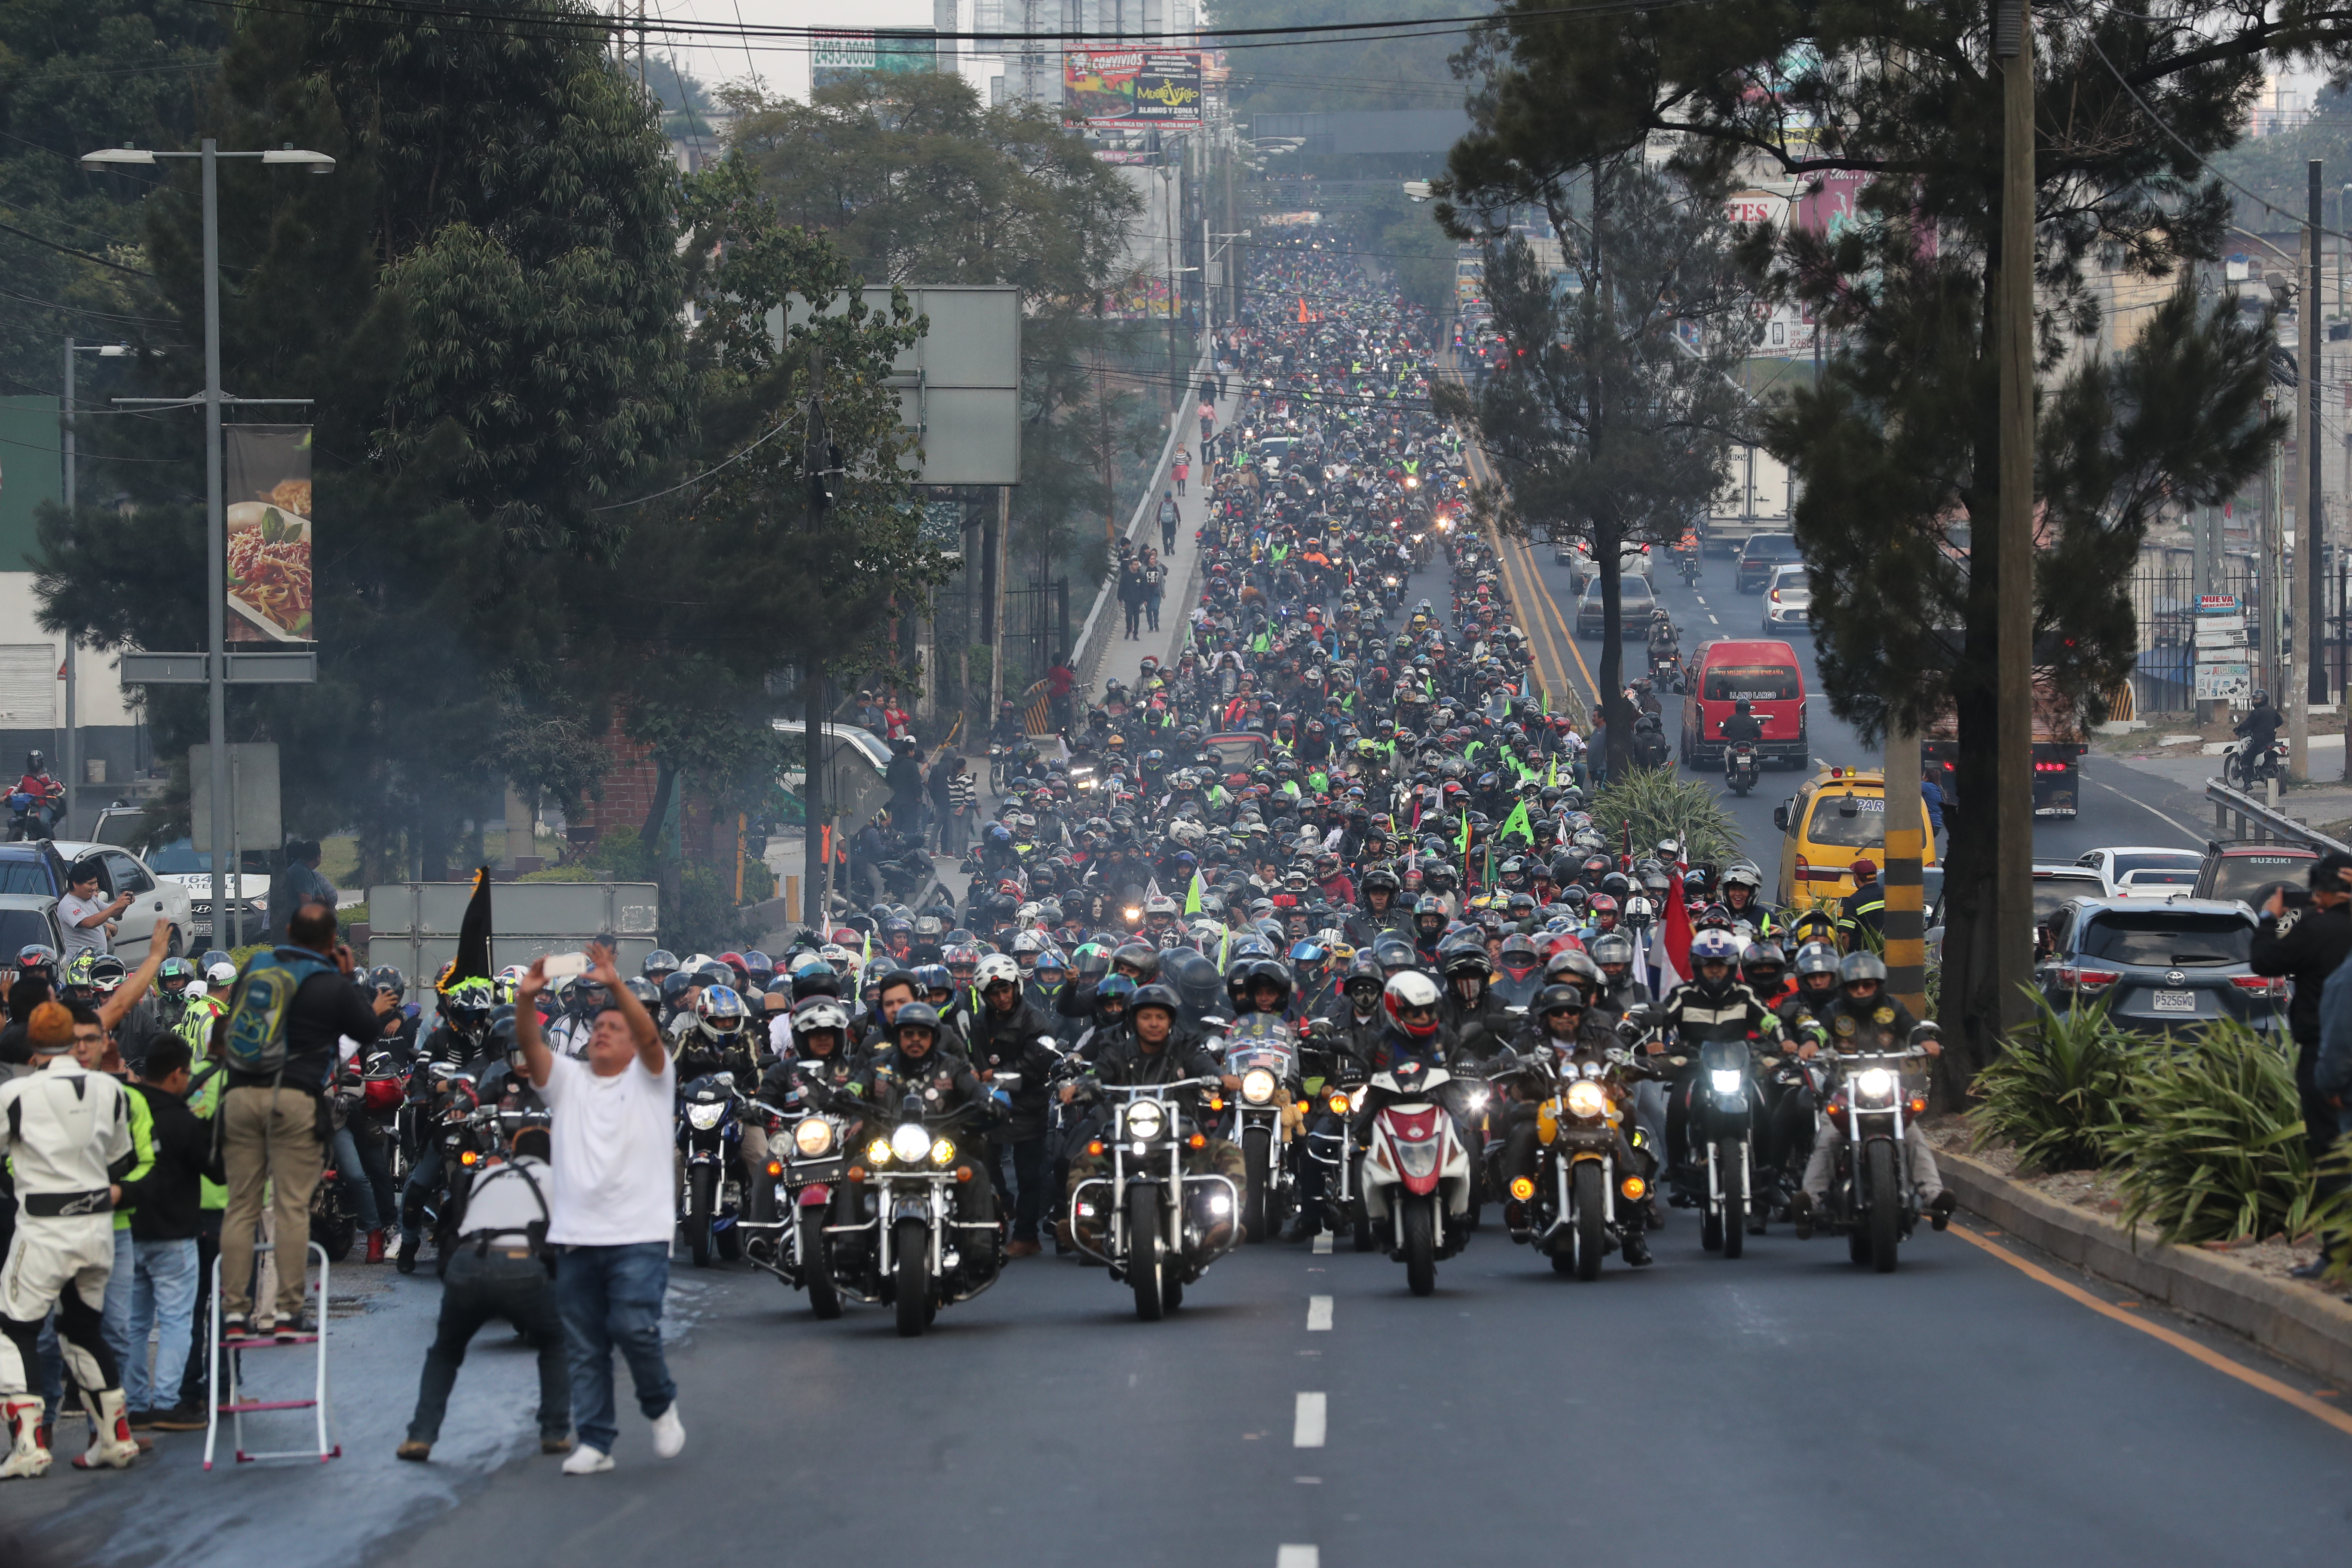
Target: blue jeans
column 163, row 1299
column 417, row 1191
column 611, row 1297
column 368, row 1181
column 117, row 1298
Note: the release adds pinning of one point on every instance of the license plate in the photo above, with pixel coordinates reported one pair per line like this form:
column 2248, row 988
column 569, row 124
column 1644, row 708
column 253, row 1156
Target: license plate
column 806, row 1171
column 2176, row 1001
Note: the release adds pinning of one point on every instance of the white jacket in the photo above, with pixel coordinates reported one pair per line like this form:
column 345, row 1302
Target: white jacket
column 67, row 1132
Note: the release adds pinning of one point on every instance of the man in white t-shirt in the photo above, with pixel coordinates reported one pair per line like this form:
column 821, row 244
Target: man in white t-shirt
column 87, row 915
column 611, row 1205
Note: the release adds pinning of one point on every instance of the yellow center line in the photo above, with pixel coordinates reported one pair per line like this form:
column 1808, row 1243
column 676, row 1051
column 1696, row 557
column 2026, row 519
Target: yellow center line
column 2340, row 1420
column 1538, row 610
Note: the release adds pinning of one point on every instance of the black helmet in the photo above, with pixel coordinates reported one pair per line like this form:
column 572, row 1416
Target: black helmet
column 1156, row 996
column 1466, row 955
column 1393, row 952
column 658, row 965
column 1143, row 961
column 383, row 977
column 914, row 1014
column 1816, row 958
column 1742, row 707
column 1553, row 998
column 1611, row 947
column 1363, row 973
column 1861, row 966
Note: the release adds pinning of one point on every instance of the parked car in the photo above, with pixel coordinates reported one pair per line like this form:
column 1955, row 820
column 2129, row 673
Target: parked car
column 1788, row 601
column 2116, row 863
column 2159, row 965
column 26, row 919
column 2246, row 869
column 39, row 868
column 1635, row 603
column 1632, row 560
column 2156, row 883
column 176, row 861
column 1758, row 556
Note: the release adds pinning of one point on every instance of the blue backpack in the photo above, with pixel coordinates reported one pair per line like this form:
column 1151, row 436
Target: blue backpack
column 256, row 1037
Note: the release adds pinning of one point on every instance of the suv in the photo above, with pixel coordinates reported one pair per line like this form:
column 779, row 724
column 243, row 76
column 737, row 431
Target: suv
column 2243, row 868
column 1758, row 556
column 2160, row 963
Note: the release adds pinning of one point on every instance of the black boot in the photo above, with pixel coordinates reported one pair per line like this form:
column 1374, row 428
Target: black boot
column 1939, row 1213
column 1800, row 1210
column 1637, row 1248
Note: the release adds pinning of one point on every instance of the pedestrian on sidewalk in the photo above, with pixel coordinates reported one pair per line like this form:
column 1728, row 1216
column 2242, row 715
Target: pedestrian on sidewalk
column 272, row 1121
column 167, row 1217
column 611, row 1213
column 1208, row 420
column 1155, row 585
column 500, row 1267
column 1180, row 470
column 1133, row 594
column 963, row 803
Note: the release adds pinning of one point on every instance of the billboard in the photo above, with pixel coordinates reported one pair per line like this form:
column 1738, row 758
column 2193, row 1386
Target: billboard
column 836, row 56
column 1131, row 87
column 267, row 489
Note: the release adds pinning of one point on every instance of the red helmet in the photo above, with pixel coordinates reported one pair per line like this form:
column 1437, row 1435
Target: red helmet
column 1410, row 989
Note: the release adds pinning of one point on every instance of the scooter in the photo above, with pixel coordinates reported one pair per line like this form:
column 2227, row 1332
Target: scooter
column 1417, row 1176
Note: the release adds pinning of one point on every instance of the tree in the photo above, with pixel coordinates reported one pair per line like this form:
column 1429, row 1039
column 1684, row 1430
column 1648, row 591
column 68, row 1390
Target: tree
column 1607, row 424
column 912, row 180
column 1401, row 71
column 1901, row 440
column 483, row 300
column 1409, row 245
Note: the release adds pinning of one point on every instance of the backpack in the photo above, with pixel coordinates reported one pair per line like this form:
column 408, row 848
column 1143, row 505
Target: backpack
column 256, row 1037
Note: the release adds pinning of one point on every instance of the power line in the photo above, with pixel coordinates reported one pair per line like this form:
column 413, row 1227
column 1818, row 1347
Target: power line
column 69, row 251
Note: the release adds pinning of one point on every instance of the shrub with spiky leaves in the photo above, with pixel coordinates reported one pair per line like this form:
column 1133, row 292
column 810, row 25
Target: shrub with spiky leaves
column 2210, row 1146
column 2054, row 1092
column 1661, row 805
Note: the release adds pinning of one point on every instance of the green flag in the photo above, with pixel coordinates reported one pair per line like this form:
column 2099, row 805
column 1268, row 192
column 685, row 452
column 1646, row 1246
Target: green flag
column 1518, row 823
column 1193, row 896
column 1465, row 845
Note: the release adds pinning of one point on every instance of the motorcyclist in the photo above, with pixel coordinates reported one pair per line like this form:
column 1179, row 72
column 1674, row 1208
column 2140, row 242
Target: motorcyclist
column 912, row 1063
column 1008, row 1037
column 2259, row 729
column 1561, row 1027
column 1416, row 1036
column 1741, row 725
column 1711, row 1006
column 1155, row 1051
column 1624, row 989
column 1471, row 1013
column 1663, row 645
column 1865, row 1019
column 820, row 1063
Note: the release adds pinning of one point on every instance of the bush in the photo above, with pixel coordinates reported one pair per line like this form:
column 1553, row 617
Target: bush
column 1661, row 805
column 2054, row 1092
column 2211, row 1144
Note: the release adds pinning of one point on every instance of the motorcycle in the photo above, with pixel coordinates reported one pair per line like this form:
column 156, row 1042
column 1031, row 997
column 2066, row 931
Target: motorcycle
column 1263, row 1054
column 32, row 816
column 1331, row 1143
column 1161, row 1229
column 1686, row 563
column 1868, row 1109
column 892, row 1237
column 1571, row 1203
column 446, row 1108
column 1417, row 1176
column 2248, row 764
column 710, row 1133
column 1649, row 750
column 1667, row 670
column 1717, row 1172
column 1740, row 768
column 807, row 1152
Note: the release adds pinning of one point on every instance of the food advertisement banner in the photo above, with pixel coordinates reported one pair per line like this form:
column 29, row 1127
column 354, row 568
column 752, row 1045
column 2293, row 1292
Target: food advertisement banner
column 269, row 496
column 1131, row 87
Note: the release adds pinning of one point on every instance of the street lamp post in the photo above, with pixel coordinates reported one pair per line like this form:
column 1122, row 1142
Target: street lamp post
column 208, row 156
column 70, row 751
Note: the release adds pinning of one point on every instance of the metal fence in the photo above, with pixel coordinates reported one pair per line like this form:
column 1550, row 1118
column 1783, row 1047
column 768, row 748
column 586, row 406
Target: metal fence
column 2164, row 592
column 1036, row 630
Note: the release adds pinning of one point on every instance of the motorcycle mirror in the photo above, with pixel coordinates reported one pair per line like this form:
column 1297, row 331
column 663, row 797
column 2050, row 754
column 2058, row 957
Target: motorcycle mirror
column 911, row 1108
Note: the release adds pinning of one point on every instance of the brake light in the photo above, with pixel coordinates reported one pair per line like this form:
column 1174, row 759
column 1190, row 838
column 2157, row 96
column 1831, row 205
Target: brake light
column 2077, row 978
column 2261, row 985
column 2051, row 767
column 1804, row 869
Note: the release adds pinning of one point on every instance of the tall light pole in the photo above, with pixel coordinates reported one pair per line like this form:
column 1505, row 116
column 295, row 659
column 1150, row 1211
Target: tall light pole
column 70, row 751
column 2012, row 813
column 208, row 156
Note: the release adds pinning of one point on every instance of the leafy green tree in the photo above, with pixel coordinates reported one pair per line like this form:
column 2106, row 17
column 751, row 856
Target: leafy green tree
column 482, row 299
column 1901, row 440
column 76, row 75
column 1606, row 424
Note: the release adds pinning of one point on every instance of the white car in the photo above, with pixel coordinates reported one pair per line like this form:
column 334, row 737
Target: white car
column 1788, row 600
column 2116, row 865
column 152, row 898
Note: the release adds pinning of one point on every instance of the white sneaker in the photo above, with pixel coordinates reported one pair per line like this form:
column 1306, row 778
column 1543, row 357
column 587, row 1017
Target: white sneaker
column 669, row 1435
column 587, row 1461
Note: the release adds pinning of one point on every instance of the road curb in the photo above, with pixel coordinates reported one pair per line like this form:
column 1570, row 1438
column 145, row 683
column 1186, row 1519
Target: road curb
column 2295, row 1323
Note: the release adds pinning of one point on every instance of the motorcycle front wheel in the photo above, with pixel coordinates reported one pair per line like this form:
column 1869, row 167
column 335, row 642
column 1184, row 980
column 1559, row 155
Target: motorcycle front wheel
column 1591, row 1223
column 1885, row 1208
column 1734, row 1194
column 701, row 1184
column 333, row 1224
column 1143, row 1264
column 816, row 1266
column 1256, row 1142
column 1417, row 1233
column 913, row 1279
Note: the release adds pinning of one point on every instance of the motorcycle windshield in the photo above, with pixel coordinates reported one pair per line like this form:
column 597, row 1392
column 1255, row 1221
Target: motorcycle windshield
column 1720, row 1056
column 1263, row 1043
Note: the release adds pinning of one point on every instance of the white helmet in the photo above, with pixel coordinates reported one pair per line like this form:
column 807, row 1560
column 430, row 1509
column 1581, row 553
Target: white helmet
column 1161, row 905
column 993, row 969
column 222, row 973
column 1028, row 941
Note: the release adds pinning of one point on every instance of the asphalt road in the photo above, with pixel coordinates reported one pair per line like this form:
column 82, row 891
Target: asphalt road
column 1304, row 1411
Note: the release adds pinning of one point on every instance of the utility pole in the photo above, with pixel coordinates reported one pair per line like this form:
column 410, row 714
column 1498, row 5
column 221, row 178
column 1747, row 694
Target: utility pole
column 71, row 749
column 1907, row 853
column 816, row 847
column 2013, row 684
column 2315, row 496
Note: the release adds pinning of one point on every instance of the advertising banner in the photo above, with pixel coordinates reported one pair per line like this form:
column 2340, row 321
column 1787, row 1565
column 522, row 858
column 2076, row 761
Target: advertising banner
column 267, row 469
column 836, row 55
column 1131, row 87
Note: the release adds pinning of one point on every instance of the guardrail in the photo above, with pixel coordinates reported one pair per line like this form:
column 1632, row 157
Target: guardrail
column 2260, row 820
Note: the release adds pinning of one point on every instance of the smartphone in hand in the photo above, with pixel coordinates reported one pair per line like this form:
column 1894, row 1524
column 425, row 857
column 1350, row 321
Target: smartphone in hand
column 563, row 966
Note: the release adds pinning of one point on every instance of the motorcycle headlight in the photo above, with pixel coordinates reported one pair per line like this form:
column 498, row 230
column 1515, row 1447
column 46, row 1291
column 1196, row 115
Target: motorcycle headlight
column 1727, row 1080
column 1146, row 1119
column 910, row 1143
column 703, row 1118
column 944, row 1151
column 1132, row 915
column 1874, row 1088
column 1585, row 1098
column 813, row 1137
column 879, row 1152
column 1340, row 1103
column 1257, row 1086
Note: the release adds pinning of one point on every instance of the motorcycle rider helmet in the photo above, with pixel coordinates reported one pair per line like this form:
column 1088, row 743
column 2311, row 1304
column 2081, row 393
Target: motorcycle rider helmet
column 1139, row 963
column 382, row 979
column 173, row 975
column 934, row 980
column 658, row 965
column 996, row 969
column 1577, row 968
column 720, row 1013
column 1743, row 874
column 1393, row 952
column 1762, row 965
column 210, row 956
column 1558, row 1001
column 1611, row 948
column 648, row 994
column 1817, row 962
column 1157, row 996
column 1715, row 954
column 1466, row 955
column 1860, row 969
column 1364, row 981
column 79, row 979
column 1111, row 995
column 1742, row 707
column 915, row 1017
column 1410, row 999
column 2262, row 699
column 819, row 1017
column 676, row 987
column 468, row 1003
column 106, row 973
column 1429, row 916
